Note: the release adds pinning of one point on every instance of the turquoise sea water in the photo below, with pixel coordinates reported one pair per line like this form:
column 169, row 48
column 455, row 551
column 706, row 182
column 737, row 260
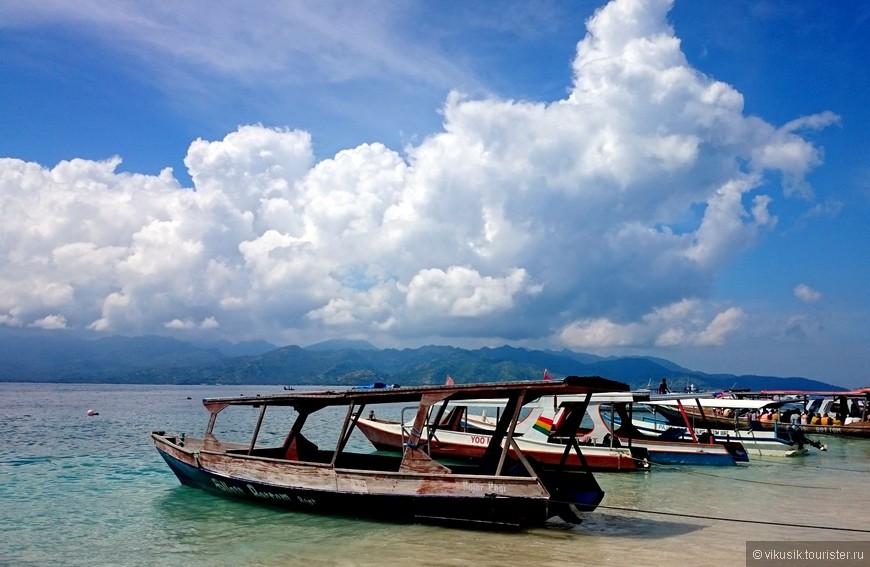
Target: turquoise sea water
column 92, row 491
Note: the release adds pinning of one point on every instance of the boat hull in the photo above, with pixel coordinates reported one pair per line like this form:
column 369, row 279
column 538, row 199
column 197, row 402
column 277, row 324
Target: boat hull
column 754, row 444
column 500, row 502
column 860, row 429
column 386, row 435
column 689, row 454
column 667, row 446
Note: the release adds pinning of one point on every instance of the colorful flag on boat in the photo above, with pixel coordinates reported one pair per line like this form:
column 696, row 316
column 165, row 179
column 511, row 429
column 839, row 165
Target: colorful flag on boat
column 544, row 425
column 547, row 375
column 449, row 381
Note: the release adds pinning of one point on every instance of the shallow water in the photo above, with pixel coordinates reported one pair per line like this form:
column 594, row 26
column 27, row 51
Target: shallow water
column 78, row 490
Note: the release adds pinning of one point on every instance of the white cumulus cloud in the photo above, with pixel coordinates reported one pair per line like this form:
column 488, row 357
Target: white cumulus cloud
column 53, row 322
column 806, row 293
column 597, row 220
column 684, row 323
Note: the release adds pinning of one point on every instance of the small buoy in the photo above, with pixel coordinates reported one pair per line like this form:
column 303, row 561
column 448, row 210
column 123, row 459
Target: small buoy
column 92, row 413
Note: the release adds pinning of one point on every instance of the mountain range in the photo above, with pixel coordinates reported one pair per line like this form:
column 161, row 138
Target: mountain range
column 41, row 356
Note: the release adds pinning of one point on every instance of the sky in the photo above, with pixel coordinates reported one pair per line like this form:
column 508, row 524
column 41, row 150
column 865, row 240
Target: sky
column 687, row 179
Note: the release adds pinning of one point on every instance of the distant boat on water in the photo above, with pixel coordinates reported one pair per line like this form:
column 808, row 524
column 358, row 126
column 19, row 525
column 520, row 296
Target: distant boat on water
column 708, row 413
column 839, row 413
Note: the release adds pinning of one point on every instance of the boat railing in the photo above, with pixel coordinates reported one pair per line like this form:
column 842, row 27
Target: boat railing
column 407, row 426
column 430, row 426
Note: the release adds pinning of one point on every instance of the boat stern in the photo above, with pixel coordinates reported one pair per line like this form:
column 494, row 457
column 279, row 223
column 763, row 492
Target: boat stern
column 736, row 450
column 572, row 493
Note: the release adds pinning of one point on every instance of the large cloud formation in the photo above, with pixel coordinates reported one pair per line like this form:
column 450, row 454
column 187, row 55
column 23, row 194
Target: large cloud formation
column 595, row 221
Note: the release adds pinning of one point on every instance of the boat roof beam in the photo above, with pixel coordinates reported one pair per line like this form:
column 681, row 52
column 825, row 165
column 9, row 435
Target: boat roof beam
column 211, row 421
column 574, row 410
column 523, row 458
column 257, row 429
column 346, row 437
column 432, row 425
column 513, row 409
column 346, row 429
column 298, row 424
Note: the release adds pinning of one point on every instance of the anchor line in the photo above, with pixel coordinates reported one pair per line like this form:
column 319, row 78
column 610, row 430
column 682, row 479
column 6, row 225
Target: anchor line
column 735, row 520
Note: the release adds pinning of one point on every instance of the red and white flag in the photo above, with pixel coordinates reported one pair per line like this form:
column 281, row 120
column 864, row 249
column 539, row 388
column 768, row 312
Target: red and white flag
column 449, row 381
column 547, row 375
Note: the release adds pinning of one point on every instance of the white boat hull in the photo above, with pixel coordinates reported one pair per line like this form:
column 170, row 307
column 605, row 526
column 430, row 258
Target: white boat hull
column 756, row 443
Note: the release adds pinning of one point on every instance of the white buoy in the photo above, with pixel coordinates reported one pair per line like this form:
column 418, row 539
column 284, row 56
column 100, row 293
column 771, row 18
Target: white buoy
column 92, row 413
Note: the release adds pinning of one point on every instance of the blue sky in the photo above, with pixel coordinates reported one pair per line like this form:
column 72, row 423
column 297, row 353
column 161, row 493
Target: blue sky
column 683, row 179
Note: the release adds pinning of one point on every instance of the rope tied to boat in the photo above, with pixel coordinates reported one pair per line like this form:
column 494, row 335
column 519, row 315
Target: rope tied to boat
column 682, row 468
column 735, row 520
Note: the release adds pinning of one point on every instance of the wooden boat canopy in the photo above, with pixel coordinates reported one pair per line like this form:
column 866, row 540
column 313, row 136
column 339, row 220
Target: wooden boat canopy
column 722, row 403
column 562, row 399
column 313, row 400
column 858, row 393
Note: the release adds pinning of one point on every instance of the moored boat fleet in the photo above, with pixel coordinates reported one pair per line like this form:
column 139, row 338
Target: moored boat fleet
column 505, row 455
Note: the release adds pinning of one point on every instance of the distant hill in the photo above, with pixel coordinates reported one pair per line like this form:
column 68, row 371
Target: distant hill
column 246, row 348
column 61, row 357
column 56, row 357
column 342, row 344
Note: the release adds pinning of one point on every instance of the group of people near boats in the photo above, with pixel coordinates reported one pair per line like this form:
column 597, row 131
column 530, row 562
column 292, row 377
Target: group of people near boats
column 791, row 416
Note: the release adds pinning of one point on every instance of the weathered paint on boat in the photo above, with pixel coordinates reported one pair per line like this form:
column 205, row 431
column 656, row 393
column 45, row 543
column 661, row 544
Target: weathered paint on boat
column 387, row 435
column 493, row 491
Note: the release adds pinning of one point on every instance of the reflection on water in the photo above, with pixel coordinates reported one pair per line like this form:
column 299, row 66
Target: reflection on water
column 88, row 491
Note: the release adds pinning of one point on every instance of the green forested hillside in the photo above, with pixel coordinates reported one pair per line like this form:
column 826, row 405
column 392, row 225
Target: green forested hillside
column 160, row 360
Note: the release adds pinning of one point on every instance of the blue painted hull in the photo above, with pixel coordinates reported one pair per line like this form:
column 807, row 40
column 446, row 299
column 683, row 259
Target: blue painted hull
column 478, row 511
column 665, row 457
column 666, row 445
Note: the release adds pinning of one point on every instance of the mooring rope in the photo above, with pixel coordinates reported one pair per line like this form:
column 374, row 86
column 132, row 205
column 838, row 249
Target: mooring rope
column 750, row 481
column 682, row 469
column 826, row 468
column 756, row 461
column 735, row 520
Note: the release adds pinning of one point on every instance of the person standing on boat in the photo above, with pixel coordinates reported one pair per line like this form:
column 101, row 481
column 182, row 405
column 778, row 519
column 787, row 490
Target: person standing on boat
column 663, row 387
column 752, row 417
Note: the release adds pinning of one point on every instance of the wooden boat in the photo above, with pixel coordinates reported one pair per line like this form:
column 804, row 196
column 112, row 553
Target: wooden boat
column 502, row 488
column 461, row 434
column 601, row 428
column 846, row 412
column 778, row 442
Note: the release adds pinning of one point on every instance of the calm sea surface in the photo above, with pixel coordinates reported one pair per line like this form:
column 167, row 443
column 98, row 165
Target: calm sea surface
column 92, row 491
